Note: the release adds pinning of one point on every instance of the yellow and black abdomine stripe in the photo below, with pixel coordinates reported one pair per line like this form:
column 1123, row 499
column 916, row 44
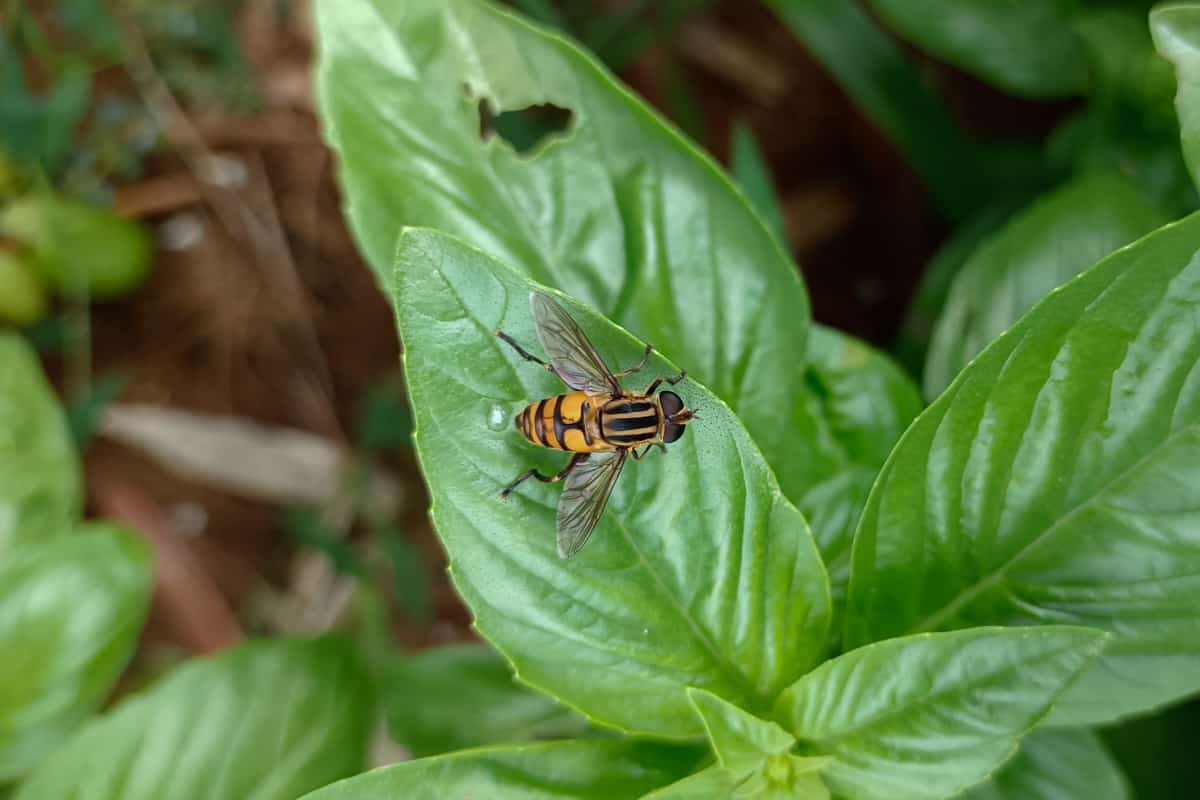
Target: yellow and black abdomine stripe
column 628, row 423
column 559, row 423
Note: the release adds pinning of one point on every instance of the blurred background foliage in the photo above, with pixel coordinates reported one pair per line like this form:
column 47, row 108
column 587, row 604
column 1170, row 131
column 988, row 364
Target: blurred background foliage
column 170, row 236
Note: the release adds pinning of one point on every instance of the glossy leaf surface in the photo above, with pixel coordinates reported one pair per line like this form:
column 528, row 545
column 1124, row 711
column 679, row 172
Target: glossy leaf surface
column 71, row 610
column 1025, row 48
column 40, row 493
column 618, row 210
column 700, row 573
column 1056, row 765
column 1038, row 250
column 928, row 715
column 740, row 741
column 267, row 721
column 465, row 695
column 1054, row 481
column 584, row 770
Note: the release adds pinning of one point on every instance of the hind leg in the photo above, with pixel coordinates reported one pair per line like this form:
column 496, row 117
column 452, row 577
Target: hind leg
column 533, row 473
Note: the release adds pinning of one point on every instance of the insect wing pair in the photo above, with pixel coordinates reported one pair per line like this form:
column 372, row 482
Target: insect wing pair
column 603, row 444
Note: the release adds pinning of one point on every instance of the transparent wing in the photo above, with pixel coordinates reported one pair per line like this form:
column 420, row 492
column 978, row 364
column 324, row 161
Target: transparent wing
column 570, row 352
column 583, row 499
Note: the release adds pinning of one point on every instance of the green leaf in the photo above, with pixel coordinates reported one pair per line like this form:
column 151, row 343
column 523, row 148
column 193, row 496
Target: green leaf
column 40, row 492
column 700, row 573
column 1025, row 48
column 1158, row 752
column 1053, row 482
column 753, row 174
column 585, row 770
column 711, row 783
column 1036, row 251
column 926, row 716
column 619, row 211
column 873, row 71
column 912, row 343
column 1176, row 32
column 862, row 402
column 460, row 696
column 84, row 415
column 22, row 296
column 71, row 610
column 267, row 721
column 1056, row 765
column 740, row 740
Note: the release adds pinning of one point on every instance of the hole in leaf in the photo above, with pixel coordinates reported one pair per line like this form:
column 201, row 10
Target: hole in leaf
column 525, row 129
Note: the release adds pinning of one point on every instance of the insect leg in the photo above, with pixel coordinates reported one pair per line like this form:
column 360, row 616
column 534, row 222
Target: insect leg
column 642, row 363
column 521, row 351
column 533, row 473
column 654, row 385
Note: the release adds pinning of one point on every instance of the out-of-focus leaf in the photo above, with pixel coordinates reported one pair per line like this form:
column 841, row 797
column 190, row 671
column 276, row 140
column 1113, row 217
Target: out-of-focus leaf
column 1054, row 481
column 1158, row 752
column 408, row 570
column 863, row 402
column 1037, row 250
column 79, row 248
column 1026, row 48
column 70, row 613
column 22, row 296
column 619, row 211
column 83, row 415
column 912, row 343
column 459, row 696
column 40, row 492
column 270, row 720
column 1056, row 765
column 753, row 175
column 1176, row 31
column 926, row 716
column 890, row 92
column 700, row 573
column 385, row 421
column 308, row 528
column 586, row 770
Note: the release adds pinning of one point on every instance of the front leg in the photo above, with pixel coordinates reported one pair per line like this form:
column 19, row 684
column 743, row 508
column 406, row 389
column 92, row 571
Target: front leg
column 657, row 381
column 576, row 459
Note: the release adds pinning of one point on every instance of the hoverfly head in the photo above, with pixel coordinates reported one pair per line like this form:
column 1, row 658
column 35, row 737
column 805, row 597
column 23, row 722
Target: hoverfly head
column 676, row 415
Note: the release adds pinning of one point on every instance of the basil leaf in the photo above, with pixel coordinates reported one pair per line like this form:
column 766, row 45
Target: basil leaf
column 700, row 573
column 1056, row 765
column 1054, row 482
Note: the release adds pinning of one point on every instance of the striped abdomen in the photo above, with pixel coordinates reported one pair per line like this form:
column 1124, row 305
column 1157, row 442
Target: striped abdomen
column 564, row 422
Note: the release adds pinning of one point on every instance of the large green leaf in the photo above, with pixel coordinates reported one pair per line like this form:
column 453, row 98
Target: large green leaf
column 267, row 721
column 699, row 574
column 926, row 716
column 584, row 770
column 1176, row 31
column 620, row 211
column 460, row 696
column 1039, row 249
column 70, row 612
column 40, row 493
column 1026, row 48
column 1054, row 481
column 753, row 175
column 1056, row 765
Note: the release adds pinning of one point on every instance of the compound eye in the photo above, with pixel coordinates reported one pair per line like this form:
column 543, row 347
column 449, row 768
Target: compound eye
column 672, row 431
column 670, row 402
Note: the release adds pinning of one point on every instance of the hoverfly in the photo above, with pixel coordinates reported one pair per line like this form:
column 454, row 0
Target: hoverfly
column 600, row 422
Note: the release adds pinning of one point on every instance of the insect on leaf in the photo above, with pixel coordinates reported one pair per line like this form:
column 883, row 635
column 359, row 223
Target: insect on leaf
column 700, row 573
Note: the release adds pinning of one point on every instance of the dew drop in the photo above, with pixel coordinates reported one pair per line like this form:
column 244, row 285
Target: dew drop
column 645, row 631
column 497, row 418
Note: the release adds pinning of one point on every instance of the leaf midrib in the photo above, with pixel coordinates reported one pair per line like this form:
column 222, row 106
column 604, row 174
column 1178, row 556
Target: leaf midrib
column 939, row 617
